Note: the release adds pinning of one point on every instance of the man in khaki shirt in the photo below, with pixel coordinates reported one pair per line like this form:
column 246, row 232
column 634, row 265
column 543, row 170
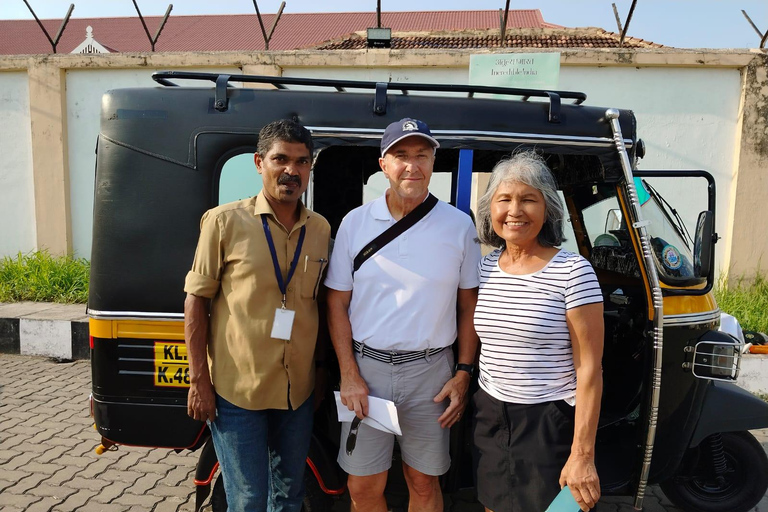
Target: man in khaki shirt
column 251, row 323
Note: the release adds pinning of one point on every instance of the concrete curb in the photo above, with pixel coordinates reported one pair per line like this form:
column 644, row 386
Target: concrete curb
column 44, row 329
column 754, row 373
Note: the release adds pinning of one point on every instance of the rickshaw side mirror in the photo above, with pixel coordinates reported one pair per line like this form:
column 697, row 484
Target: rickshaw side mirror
column 704, row 244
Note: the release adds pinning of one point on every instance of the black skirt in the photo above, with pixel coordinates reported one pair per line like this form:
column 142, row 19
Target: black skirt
column 519, row 452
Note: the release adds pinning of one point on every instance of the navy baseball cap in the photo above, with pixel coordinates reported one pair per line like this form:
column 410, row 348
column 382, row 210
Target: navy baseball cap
column 403, row 128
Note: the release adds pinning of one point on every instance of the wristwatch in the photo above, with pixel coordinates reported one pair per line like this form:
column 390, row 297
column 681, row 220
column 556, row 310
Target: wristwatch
column 469, row 368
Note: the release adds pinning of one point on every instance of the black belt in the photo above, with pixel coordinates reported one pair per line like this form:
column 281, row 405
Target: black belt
column 394, row 357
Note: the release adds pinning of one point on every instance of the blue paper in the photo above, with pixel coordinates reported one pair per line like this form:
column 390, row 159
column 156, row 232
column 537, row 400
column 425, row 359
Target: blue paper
column 564, row 502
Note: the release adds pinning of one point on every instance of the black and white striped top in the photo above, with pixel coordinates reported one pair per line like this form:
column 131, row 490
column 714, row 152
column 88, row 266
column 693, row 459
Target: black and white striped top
column 525, row 353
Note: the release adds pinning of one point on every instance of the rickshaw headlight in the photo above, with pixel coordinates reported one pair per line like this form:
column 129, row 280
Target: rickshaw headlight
column 717, row 360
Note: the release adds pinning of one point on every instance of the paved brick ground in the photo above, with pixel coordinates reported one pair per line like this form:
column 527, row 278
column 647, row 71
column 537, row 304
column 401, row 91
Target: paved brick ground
column 47, row 459
column 47, row 441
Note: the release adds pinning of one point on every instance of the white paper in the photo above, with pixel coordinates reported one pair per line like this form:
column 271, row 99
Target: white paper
column 382, row 414
column 283, row 324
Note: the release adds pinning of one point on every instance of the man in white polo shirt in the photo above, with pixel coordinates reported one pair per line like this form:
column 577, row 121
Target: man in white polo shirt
column 393, row 321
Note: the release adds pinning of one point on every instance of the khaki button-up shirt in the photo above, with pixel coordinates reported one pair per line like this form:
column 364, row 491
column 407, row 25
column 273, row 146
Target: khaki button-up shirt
column 233, row 267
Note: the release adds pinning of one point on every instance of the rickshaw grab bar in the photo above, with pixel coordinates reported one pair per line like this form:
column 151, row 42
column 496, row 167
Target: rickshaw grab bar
column 658, row 305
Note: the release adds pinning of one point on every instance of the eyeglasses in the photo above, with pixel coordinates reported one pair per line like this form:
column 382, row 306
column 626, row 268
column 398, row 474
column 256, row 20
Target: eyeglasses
column 352, row 437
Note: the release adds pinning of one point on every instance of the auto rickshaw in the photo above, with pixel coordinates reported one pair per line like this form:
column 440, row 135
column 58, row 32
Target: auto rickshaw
column 671, row 413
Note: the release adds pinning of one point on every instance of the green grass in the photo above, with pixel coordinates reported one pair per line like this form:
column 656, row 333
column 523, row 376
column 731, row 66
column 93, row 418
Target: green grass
column 40, row 277
column 747, row 300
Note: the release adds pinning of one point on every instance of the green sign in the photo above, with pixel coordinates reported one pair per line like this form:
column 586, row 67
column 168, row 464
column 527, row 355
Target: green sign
column 522, row 70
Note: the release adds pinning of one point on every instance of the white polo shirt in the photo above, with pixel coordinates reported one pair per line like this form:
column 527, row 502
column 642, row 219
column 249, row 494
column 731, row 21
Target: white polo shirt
column 404, row 297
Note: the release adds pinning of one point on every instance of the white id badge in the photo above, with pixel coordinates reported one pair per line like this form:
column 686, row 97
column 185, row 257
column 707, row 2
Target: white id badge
column 283, row 324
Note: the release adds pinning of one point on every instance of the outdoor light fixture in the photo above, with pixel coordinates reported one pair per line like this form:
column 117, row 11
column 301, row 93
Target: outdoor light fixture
column 379, row 38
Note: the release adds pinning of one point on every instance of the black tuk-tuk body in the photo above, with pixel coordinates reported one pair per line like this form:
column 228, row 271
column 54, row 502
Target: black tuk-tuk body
column 161, row 152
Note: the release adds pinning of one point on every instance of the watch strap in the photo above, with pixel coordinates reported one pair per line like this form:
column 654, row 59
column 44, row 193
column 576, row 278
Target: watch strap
column 469, row 368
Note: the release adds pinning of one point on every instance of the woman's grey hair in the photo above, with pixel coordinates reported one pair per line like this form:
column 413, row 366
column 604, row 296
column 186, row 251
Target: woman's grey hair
column 529, row 168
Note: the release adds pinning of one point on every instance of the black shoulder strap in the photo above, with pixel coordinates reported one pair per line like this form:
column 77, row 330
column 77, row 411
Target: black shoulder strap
column 395, row 230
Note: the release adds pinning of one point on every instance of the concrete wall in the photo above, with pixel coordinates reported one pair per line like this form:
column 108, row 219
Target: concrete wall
column 688, row 118
column 748, row 208
column 17, row 195
column 695, row 109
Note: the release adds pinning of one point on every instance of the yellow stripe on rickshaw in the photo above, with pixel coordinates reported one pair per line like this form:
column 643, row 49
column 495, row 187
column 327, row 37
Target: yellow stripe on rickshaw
column 689, row 304
column 140, row 329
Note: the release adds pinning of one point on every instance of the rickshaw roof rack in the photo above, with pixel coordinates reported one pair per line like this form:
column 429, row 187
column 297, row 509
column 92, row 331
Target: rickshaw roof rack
column 381, row 88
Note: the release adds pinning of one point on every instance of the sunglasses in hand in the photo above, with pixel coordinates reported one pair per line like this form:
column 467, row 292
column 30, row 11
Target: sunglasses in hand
column 352, row 437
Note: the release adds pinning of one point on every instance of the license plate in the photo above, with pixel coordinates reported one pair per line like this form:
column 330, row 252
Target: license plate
column 171, row 365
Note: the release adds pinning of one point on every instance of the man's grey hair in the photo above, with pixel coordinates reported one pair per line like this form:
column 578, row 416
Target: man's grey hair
column 530, row 169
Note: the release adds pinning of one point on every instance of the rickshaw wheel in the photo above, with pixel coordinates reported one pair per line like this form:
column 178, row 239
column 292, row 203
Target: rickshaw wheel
column 738, row 488
column 315, row 500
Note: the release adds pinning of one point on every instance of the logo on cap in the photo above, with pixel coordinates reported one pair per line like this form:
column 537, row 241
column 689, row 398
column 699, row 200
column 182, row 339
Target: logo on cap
column 406, row 127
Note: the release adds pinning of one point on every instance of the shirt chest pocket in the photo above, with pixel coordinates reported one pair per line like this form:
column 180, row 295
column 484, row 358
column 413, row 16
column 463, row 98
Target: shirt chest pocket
column 312, row 268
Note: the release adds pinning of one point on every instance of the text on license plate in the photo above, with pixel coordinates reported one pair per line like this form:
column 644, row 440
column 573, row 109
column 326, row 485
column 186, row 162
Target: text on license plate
column 171, row 365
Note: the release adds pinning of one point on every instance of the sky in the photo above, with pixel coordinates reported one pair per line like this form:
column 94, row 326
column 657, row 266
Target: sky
column 679, row 23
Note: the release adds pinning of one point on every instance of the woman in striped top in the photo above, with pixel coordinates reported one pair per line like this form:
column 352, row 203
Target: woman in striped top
column 539, row 318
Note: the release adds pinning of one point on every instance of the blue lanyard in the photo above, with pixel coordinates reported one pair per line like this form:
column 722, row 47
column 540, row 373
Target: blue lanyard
column 278, row 273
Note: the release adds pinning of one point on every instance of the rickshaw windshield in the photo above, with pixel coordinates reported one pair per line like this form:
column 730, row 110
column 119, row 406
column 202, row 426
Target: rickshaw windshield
column 608, row 232
column 670, row 242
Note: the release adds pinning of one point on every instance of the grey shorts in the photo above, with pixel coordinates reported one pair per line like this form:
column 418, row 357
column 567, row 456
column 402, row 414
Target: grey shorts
column 412, row 386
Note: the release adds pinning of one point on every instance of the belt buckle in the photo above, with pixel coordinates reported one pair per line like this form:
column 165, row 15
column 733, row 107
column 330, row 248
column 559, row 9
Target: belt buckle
column 392, row 355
